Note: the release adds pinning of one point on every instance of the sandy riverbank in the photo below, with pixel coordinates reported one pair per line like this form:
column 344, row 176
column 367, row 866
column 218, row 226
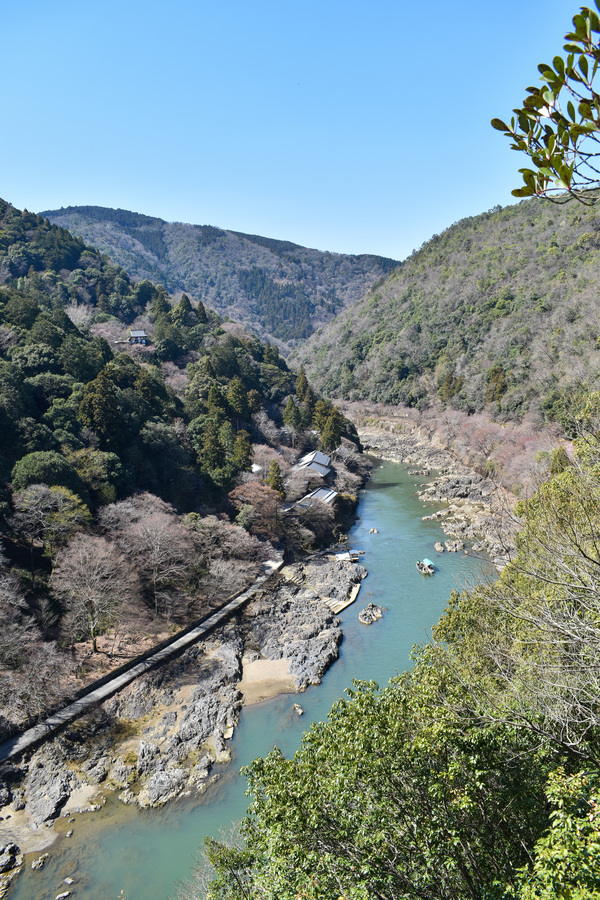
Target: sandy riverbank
column 263, row 679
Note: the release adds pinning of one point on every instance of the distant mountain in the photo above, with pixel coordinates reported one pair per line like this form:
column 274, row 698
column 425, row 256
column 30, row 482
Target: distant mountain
column 501, row 309
column 276, row 288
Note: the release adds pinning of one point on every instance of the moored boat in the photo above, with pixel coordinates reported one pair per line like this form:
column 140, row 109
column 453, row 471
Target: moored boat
column 425, row 566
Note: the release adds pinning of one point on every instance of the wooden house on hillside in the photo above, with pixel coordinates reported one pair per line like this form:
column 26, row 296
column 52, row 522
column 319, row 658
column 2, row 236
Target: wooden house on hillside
column 138, row 337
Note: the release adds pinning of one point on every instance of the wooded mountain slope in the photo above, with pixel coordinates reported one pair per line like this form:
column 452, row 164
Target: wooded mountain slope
column 276, row 288
column 138, row 483
column 501, row 308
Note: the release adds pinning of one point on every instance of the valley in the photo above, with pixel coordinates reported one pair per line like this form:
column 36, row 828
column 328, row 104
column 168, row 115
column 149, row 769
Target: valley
column 158, row 453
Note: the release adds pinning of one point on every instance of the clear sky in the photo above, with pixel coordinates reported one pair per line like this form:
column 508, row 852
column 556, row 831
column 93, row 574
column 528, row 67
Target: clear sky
column 347, row 126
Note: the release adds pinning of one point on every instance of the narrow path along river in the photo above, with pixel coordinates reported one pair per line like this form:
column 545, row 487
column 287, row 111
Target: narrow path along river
column 120, row 852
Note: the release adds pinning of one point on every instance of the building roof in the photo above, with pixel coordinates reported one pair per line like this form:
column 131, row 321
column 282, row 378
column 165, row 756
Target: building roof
column 137, row 334
column 316, row 456
column 325, row 495
column 316, row 468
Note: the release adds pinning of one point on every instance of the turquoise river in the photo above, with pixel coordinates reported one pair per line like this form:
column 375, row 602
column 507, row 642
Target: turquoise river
column 120, row 853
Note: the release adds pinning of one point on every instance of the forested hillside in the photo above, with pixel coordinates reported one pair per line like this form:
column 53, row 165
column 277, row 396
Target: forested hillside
column 276, row 288
column 137, row 483
column 499, row 309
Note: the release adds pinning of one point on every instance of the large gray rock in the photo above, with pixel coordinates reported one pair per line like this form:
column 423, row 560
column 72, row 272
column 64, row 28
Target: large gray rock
column 121, row 774
column 48, row 786
column 10, row 856
column 162, row 787
column 149, row 759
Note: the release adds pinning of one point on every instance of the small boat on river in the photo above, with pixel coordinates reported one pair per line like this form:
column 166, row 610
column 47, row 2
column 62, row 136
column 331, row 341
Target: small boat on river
column 425, row 566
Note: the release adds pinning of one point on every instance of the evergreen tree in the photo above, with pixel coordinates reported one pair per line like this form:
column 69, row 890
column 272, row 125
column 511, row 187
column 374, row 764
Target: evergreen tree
column 292, row 416
column 254, row 401
column 301, row 384
column 242, row 452
column 212, row 453
column 182, row 313
column 331, row 432
column 237, row 397
column 216, row 403
column 321, row 413
column 100, row 409
column 201, row 314
column 274, row 479
column 160, row 306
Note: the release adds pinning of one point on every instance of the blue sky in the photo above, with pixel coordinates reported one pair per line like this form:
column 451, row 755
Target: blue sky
column 347, row 126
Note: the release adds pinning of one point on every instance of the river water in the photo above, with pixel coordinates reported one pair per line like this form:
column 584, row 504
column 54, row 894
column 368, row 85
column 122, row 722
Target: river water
column 120, row 853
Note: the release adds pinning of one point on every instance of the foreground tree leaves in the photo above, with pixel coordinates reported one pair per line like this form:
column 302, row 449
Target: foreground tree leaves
column 557, row 126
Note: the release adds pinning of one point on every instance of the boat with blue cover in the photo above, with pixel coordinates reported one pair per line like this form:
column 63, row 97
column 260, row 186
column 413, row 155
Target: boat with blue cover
column 425, row 566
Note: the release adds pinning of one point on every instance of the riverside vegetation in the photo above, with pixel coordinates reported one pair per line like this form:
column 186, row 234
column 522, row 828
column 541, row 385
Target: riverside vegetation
column 128, row 501
column 475, row 775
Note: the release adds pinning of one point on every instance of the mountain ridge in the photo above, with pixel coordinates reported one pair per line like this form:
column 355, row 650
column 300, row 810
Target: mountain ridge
column 278, row 289
column 500, row 311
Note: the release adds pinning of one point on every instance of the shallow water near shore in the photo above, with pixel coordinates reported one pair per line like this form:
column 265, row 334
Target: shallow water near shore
column 122, row 853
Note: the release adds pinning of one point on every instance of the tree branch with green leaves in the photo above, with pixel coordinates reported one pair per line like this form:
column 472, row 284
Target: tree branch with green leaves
column 558, row 126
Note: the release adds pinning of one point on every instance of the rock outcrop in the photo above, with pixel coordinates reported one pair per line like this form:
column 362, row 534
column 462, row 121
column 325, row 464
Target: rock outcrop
column 474, row 507
column 163, row 734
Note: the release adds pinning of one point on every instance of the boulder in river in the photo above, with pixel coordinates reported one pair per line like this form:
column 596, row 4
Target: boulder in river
column 370, row 614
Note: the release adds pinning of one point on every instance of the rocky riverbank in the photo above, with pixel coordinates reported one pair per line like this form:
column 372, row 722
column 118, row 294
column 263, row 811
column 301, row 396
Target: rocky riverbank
column 475, row 510
column 166, row 734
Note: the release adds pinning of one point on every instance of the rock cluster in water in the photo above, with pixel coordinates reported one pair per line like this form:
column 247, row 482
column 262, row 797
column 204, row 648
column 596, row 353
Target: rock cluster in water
column 473, row 505
column 370, row 614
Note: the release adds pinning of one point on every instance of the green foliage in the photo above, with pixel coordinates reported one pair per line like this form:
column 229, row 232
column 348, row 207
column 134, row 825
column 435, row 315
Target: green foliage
column 485, row 293
column 392, row 797
column 292, row 417
column 274, row 479
column 274, row 286
column 46, row 467
column 566, row 863
column 474, row 775
column 285, row 308
column 49, row 267
column 497, row 384
column 557, row 126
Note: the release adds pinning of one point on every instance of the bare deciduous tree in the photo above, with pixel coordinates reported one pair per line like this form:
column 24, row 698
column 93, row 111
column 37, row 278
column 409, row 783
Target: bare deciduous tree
column 39, row 684
column 47, row 516
column 163, row 552
column 94, row 581
column 17, row 630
